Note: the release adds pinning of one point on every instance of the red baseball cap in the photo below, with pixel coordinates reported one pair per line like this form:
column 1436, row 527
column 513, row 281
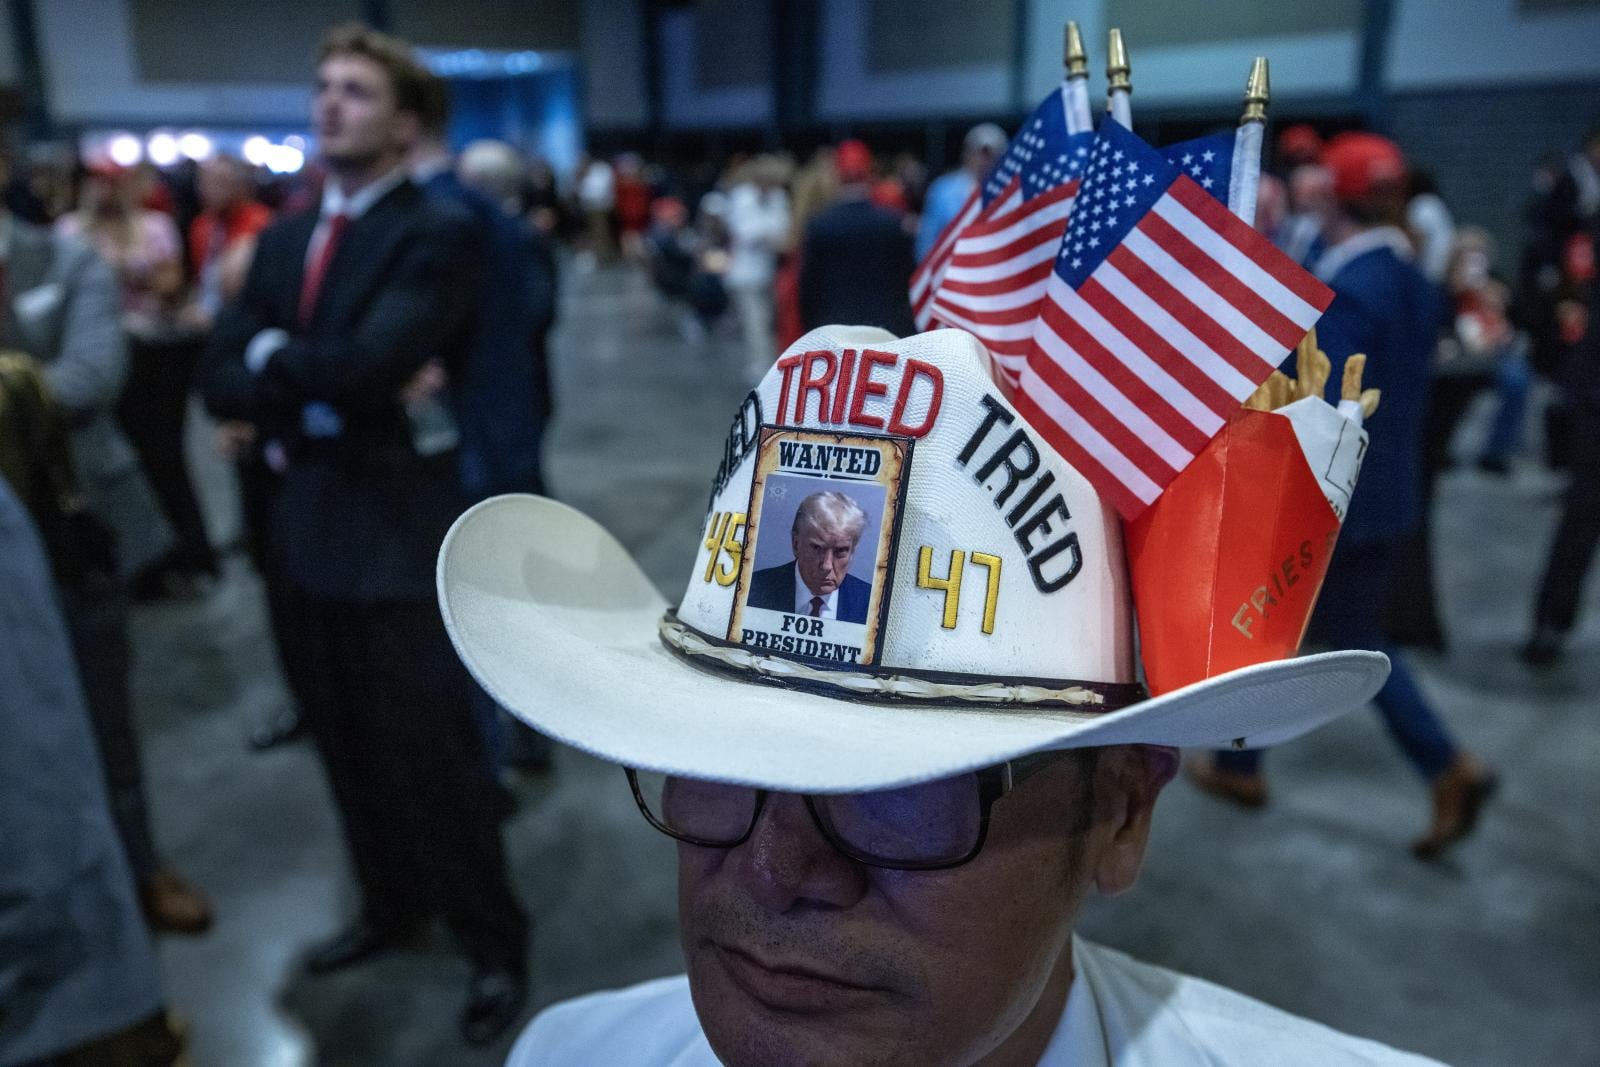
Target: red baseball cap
column 1300, row 143
column 1361, row 162
column 853, row 160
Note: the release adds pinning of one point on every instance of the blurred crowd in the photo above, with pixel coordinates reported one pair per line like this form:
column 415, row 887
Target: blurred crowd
column 131, row 291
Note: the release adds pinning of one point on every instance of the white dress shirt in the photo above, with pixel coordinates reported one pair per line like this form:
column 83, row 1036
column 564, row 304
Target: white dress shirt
column 803, row 597
column 1120, row 1012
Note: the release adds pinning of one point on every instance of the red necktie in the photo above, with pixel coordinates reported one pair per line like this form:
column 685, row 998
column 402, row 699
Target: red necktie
column 816, row 607
column 311, row 288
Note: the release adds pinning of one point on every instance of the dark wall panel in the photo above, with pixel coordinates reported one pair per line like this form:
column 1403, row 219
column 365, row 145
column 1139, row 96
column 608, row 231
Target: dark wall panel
column 1150, row 23
column 231, row 41
column 733, row 43
column 906, row 35
column 497, row 24
column 1482, row 146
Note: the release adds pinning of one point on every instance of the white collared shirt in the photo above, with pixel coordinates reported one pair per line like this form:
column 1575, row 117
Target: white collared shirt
column 1120, row 1013
column 803, row 596
column 352, row 207
column 1358, row 244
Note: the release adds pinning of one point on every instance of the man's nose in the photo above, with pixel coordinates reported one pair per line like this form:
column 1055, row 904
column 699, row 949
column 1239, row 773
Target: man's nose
column 786, row 862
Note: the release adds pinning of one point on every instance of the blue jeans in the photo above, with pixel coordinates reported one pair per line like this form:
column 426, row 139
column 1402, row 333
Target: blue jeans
column 1512, row 377
column 1349, row 615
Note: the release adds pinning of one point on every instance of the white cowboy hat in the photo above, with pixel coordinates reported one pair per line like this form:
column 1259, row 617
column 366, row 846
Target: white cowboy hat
column 984, row 614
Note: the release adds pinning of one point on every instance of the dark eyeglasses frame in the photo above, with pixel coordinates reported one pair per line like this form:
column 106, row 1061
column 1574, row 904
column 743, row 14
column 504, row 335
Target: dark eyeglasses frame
column 993, row 783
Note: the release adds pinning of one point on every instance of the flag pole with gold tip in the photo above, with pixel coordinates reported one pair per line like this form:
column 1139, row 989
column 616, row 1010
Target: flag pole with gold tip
column 1245, row 174
column 1119, row 80
column 1080, row 117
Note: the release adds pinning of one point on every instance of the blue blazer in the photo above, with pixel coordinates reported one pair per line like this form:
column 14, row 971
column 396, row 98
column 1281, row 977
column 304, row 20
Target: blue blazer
column 773, row 589
column 1384, row 307
column 502, row 392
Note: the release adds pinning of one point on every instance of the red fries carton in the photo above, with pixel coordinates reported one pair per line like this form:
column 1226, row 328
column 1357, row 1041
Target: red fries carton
column 1227, row 563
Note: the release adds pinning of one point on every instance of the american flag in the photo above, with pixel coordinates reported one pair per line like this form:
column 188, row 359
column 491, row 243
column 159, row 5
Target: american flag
column 1163, row 312
column 1026, row 185
column 1001, row 262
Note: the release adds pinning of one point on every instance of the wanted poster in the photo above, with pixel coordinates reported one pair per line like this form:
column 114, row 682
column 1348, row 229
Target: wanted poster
column 824, row 515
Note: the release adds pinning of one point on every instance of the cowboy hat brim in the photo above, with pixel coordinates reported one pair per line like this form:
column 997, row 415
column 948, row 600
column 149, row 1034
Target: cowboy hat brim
column 559, row 625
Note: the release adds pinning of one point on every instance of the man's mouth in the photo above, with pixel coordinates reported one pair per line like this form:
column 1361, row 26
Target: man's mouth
column 791, row 985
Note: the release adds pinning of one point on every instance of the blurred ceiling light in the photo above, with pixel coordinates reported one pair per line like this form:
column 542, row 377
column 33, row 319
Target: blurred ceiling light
column 284, row 159
column 125, row 150
column 255, row 150
column 294, row 140
column 195, row 146
column 523, row 62
column 162, row 149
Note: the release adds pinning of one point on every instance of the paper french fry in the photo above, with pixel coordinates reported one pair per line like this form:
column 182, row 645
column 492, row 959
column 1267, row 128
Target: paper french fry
column 1227, row 563
column 1305, row 358
column 1369, row 401
column 1283, row 390
column 1322, row 368
column 1354, row 367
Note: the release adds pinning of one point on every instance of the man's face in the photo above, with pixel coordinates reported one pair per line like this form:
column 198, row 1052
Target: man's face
column 354, row 115
column 798, row 955
column 823, row 556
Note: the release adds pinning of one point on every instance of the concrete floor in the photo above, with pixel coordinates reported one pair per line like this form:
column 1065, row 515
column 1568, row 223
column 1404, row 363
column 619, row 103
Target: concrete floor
column 1313, row 904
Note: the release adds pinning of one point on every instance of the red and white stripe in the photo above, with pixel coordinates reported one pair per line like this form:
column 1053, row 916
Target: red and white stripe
column 997, row 274
column 1131, row 374
column 925, row 279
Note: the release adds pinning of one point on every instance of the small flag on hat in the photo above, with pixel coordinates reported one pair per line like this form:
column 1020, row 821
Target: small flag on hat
column 1000, row 264
column 1012, row 218
column 1163, row 312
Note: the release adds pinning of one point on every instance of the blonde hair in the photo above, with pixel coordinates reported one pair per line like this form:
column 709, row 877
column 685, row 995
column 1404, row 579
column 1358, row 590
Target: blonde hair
column 831, row 510
column 416, row 88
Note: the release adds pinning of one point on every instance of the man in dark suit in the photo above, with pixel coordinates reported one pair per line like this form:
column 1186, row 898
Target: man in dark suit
column 817, row 582
column 856, row 261
column 340, row 312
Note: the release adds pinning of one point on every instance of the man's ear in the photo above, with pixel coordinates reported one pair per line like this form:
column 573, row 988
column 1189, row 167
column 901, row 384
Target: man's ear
column 408, row 129
column 1126, row 788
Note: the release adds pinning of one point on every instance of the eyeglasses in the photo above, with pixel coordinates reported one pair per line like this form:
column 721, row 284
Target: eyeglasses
column 926, row 827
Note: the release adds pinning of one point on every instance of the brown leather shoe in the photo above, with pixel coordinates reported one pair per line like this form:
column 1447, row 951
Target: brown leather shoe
column 1246, row 790
column 173, row 906
column 1458, row 796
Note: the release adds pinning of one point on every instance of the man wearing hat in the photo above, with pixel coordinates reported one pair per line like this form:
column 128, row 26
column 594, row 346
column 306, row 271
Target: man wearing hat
column 882, row 861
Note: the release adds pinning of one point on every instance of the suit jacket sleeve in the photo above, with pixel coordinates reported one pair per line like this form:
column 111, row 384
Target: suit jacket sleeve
column 229, row 389
column 88, row 374
column 424, row 302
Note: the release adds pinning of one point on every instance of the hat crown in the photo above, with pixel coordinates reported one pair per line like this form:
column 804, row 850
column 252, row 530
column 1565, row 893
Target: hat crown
column 882, row 506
